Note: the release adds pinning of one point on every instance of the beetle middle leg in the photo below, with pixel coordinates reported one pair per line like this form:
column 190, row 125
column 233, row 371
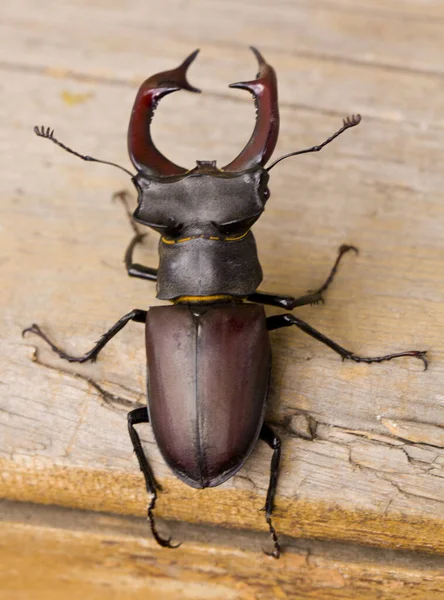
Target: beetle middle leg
column 136, row 416
column 134, row 269
column 289, row 302
column 268, row 436
column 286, row 320
column 137, row 315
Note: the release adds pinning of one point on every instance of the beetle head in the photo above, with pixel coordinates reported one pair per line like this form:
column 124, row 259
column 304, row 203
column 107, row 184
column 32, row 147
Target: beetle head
column 243, row 180
column 204, row 202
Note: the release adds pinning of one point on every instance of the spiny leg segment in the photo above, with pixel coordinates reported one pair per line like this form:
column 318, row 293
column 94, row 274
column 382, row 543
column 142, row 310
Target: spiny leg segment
column 289, row 302
column 134, row 269
column 287, row 320
column 268, row 436
column 140, row 415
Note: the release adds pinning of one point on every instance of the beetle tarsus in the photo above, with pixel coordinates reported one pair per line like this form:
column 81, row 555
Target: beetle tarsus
column 313, row 297
column 137, row 315
column 277, row 548
column 136, row 416
column 420, row 354
column 165, row 543
column 317, row 295
column 286, row 320
column 270, row 438
column 35, row 329
column 342, row 250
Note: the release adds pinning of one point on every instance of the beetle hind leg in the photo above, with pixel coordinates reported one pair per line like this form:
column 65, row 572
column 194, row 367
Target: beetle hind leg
column 268, row 436
column 136, row 416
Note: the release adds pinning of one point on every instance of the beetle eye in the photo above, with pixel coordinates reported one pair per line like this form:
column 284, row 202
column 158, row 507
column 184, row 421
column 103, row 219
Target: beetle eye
column 266, row 193
column 138, row 188
column 238, row 226
column 173, row 228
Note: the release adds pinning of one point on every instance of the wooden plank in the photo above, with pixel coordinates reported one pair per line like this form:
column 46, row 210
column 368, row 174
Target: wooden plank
column 363, row 455
column 397, row 37
column 123, row 493
column 68, row 555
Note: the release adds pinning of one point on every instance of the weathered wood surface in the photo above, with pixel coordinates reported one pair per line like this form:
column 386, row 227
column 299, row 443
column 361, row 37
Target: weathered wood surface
column 70, row 555
column 363, row 446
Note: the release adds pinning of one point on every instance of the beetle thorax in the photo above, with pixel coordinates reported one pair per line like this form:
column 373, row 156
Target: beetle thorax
column 204, row 218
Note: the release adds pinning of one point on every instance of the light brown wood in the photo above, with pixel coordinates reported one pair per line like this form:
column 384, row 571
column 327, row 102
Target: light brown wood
column 99, row 556
column 363, row 449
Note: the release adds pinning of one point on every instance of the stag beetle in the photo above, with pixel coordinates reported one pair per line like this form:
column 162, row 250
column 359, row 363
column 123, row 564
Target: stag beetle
column 208, row 354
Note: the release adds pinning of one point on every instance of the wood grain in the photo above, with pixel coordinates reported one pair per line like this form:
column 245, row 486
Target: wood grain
column 363, row 450
column 98, row 556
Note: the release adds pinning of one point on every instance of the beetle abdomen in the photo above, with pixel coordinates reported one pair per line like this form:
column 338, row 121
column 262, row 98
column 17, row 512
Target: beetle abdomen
column 208, row 371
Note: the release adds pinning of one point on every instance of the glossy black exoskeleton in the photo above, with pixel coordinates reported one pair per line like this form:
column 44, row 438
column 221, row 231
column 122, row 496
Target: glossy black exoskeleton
column 209, row 354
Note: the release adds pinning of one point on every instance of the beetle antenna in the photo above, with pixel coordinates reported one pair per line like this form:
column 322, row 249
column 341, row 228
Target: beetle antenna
column 48, row 133
column 347, row 123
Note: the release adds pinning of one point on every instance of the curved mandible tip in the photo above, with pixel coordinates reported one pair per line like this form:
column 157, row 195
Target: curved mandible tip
column 265, row 134
column 143, row 153
column 175, row 78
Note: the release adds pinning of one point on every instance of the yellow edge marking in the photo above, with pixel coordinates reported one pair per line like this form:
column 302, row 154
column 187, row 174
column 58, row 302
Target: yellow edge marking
column 166, row 241
column 202, row 298
column 196, row 237
column 239, row 237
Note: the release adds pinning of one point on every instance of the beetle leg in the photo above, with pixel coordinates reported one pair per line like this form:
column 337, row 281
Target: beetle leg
column 288, row 302
column 278, row 321
column 268, row 436
column 136, row 416
column 134, row 269
column 137, row 315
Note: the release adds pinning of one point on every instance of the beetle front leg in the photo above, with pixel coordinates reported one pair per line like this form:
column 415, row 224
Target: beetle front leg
column 137, row 315
column 278, row 321
column 289, row 302
column 134, row 269
column 136, row 416
column 268, row 436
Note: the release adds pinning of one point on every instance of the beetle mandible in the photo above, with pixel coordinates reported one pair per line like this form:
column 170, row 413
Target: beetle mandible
column 207, row 404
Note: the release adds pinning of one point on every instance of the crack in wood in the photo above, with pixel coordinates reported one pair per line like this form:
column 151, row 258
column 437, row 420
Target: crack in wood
column 384, row 13
column 338, row 59
column 111, row 400
column 117, row 402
